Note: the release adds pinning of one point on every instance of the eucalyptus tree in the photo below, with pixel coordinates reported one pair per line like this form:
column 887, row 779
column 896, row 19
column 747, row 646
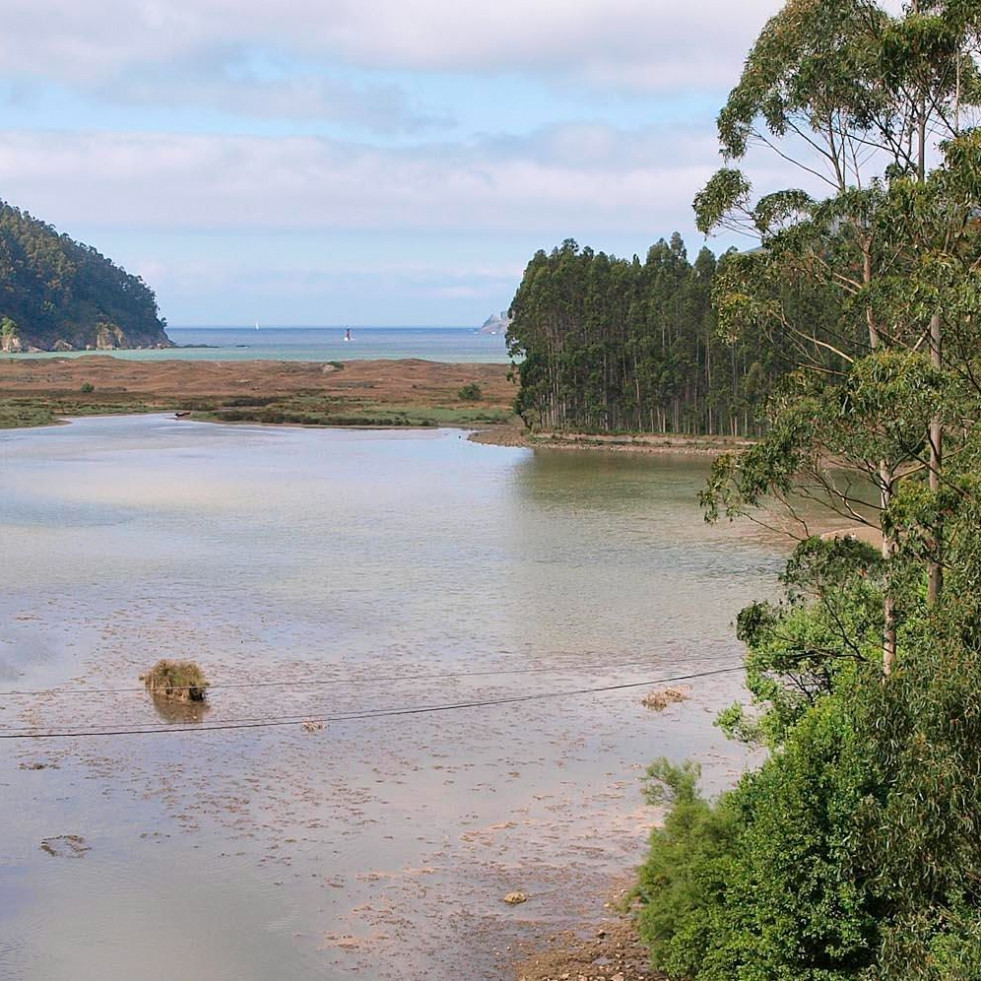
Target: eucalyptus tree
column 854, row 852
column 870, row 109
column 603, row 344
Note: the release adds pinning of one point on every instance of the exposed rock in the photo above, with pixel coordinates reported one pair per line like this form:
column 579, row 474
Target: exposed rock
column 661, row 698
column 515, row 898
column 109, row 337
column 65, row 846
column 496, row 323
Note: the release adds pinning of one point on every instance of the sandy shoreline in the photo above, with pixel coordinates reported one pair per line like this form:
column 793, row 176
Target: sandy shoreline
column 516, row 435
column 605, row 950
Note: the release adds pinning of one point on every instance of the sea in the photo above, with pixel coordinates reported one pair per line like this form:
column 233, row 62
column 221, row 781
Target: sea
column 453, row 344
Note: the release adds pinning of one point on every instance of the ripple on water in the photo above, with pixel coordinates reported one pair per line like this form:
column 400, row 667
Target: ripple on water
column 393, row 570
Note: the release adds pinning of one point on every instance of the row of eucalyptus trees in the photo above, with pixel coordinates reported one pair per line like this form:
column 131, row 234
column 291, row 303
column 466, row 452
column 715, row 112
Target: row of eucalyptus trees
column 604, row 344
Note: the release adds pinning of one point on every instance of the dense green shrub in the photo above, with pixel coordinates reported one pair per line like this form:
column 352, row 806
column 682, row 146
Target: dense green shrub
column 471, row 392
column 760, row 884
column 854, row 852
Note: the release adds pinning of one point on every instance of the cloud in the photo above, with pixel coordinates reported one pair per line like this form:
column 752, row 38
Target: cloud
column 556, row 181
column 243, row 284
column 232, row 84
column 318, row 277
column 648, row 45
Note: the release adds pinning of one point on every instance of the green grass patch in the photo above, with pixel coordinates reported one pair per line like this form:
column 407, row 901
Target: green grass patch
column 303, row 409
column 442, row 415
column 21, row 413
column 312, row 410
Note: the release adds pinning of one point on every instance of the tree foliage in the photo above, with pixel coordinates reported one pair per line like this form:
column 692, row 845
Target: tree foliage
column 608, row 344
column 854, row 852
column 57, row 291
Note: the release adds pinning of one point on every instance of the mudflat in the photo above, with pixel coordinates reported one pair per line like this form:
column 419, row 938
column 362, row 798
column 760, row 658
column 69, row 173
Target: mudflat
column 411, row 381
column 408, row 392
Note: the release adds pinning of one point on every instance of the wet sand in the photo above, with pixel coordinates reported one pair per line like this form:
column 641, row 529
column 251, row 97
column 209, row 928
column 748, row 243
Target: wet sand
column 392, row 843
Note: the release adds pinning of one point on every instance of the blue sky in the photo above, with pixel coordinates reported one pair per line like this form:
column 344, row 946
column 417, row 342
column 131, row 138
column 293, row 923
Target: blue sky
column 361, row 161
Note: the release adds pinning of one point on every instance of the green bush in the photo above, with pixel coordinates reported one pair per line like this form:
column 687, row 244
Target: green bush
column 854, row 852
column 761, row 886
column 87, row 388
column 471, row 392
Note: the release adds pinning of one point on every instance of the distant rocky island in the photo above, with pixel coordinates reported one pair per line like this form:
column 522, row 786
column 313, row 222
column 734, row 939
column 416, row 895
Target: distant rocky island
column 496, row 323
column 57, row 294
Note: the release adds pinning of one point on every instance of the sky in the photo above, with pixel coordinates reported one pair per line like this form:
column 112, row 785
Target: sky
column 362, row 161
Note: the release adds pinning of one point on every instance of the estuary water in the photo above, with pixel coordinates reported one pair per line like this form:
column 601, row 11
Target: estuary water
column 454, row 344
column 449, row 608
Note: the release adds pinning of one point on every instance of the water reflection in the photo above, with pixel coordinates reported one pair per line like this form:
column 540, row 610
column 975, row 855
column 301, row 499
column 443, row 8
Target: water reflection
column 176, row 710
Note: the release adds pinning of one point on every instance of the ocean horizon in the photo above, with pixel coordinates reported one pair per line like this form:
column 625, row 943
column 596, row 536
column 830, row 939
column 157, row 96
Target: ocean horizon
column 464, row 344
column 283, row 343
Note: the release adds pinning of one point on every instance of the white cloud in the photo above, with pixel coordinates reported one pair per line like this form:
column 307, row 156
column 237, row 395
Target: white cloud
column 656, row 45
column 562, row 179
column 233, row 88
column 321, row 275
column 252, row 282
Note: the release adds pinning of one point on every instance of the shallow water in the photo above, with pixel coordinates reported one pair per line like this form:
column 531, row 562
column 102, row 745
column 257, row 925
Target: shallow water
column 356, row 571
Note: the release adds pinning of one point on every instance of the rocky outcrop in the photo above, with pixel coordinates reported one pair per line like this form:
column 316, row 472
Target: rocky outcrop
column 496, row 323
column 109, row 337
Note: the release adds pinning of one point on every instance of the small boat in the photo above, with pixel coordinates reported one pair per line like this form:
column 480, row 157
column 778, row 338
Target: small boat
column 257, row 325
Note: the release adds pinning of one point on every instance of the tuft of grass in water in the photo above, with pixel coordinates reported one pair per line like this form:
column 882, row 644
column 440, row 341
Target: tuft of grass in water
column 180, row 680
column 659, row 699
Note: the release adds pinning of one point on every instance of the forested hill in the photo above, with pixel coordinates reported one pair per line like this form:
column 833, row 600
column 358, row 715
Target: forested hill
column 57, row 294
column 611, row 344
